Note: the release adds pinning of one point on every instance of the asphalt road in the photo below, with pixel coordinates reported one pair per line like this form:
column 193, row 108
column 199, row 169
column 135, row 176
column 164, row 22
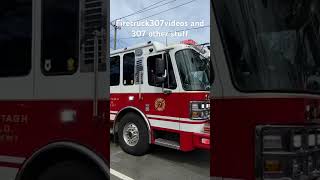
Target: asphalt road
column 160, row 164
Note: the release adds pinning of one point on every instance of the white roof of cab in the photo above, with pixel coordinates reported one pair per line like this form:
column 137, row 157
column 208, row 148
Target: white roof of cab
column 158, row 47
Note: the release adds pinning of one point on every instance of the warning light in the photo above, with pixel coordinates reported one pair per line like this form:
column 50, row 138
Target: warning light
column 189, row 42
column 205, row 141
column 272, row 166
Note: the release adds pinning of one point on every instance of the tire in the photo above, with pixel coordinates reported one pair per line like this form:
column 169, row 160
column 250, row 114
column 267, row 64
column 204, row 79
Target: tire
column 132, row 145
column 71, row 170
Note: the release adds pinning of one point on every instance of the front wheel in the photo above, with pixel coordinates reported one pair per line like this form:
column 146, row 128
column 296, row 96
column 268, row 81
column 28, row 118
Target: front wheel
column 71, row 170
column 133, row 135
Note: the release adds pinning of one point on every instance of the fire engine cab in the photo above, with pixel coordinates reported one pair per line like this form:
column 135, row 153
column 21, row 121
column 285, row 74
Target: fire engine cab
column 53, row 90
column 159, row 95
column 265, row 96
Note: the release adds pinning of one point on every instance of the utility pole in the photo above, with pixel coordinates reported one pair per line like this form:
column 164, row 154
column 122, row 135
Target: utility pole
column 114, row 25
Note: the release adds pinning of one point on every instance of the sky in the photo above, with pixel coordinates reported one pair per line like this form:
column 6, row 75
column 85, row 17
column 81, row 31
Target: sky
column 185, row 12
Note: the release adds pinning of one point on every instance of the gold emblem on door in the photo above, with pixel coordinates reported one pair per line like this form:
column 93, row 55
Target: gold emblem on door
column 160, row 104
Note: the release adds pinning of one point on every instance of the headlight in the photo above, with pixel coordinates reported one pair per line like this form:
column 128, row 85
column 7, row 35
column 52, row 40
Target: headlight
column 311, row 140
column 208, row 105
column 318, row 137
column 199, row 110
column 297, row 141
column 194, row 106
column 282, row 151
column 272, row 142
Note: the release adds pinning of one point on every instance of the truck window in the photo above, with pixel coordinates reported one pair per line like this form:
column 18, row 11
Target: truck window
column 272, row 45
column 194, row 70
column 128, row 69
column 60, row 37
column 151, row 73
column 15, row 37
column 115, row 71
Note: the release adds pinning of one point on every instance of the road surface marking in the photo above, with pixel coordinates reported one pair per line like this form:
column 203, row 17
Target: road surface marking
column 120, row 175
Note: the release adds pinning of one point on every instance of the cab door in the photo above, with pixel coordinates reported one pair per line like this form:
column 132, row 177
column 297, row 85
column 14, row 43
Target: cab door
column 71, row 73
column 161, row 101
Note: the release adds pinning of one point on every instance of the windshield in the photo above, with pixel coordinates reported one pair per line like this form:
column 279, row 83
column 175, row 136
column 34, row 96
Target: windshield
column 272, row 45
column 194, row 70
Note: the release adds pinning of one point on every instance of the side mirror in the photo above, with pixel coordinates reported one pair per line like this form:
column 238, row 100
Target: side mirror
column 160, row 66
column 160, row 70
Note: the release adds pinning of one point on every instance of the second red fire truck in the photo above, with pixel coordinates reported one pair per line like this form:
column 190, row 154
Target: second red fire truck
column 160, row 95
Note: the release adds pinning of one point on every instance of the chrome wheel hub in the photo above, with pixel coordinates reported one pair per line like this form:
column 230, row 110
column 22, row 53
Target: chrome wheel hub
column 131, row 134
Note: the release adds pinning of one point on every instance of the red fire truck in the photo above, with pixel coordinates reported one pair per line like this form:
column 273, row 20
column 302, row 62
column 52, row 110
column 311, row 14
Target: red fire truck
column 53, row 91
column 266, row 89
column 159, row 95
